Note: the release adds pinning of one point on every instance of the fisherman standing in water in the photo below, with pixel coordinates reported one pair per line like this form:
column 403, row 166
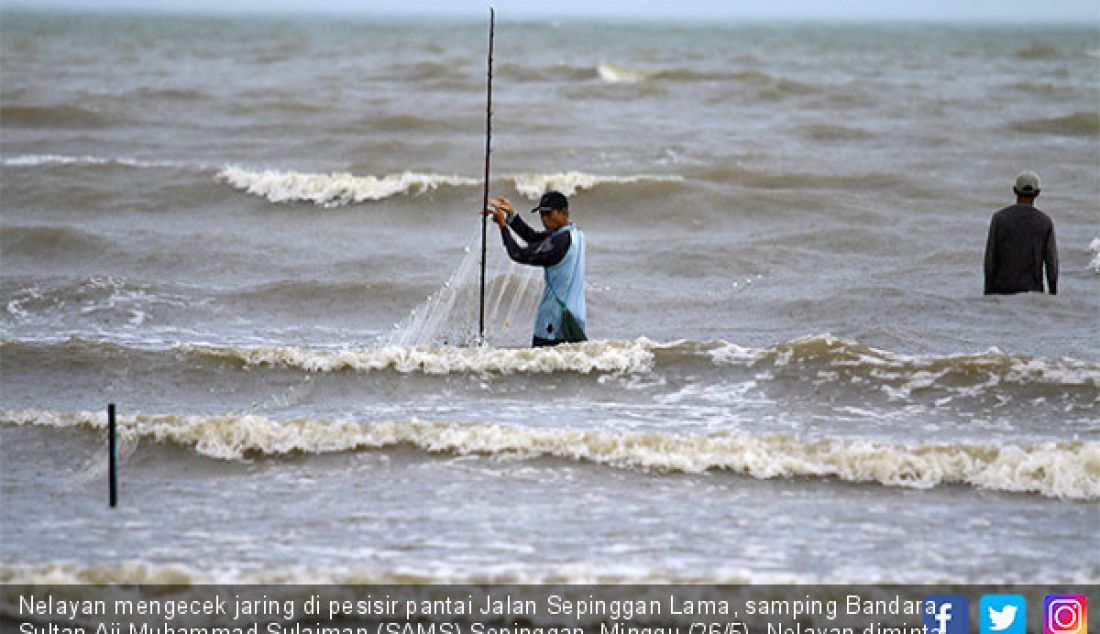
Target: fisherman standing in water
column 562, row 315
column 1021, row 241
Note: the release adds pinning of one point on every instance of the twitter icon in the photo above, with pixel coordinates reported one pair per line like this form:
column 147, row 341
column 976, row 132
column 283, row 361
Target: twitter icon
column 1003, row 614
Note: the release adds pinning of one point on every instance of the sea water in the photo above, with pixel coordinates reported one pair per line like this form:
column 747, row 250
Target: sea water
column 260, row 238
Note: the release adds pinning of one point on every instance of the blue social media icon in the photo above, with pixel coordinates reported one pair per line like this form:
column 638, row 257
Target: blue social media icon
column 1003, row 614
column 946, row 614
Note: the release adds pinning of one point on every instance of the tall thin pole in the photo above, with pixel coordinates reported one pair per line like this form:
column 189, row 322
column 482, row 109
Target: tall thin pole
column 488, row 148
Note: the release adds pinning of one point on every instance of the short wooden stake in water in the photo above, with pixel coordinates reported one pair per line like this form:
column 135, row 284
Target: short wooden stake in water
column 113, row 450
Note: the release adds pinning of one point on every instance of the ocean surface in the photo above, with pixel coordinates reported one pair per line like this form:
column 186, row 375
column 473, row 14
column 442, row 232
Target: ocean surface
column 259, row 237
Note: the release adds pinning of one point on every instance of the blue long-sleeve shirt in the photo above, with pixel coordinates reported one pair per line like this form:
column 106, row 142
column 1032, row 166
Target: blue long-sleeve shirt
column 544, row 248
column 561, row 254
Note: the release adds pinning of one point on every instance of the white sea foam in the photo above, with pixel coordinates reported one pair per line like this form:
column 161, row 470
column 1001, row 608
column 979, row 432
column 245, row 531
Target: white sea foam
column 614, row 74
column 1063, row 469
column 857, row 359
column 128, row 572
column 331, row 190
column 452, row 315
column 585, row 358
column 413, row 350
column 32, row 160
column 533, row 186
column 1094, row 250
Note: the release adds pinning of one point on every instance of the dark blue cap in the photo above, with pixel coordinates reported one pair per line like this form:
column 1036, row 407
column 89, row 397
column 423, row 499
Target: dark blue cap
column 550, row 201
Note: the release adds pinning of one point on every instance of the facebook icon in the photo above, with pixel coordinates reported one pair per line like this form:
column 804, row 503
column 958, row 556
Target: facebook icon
column 946, row 614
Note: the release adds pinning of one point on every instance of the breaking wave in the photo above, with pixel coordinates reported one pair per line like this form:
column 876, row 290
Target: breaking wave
column 34, row 160
column 99, row 294
column 334, row 190
column 853, row 359
column 585, row 358
column 823, row 358
column 1094, row 251
column 341, row 188
column 616, row 74
column 130, row 572
column 534, row 185
column 1064, row 469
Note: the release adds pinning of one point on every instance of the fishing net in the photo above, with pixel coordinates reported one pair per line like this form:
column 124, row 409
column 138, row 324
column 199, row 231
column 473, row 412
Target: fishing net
column 449, row 317
column 94, row 466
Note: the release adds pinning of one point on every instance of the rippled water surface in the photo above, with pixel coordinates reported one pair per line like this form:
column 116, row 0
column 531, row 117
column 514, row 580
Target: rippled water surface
column 259, row 237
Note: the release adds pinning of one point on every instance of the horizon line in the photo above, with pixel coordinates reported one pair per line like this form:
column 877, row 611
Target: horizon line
column 533, row 16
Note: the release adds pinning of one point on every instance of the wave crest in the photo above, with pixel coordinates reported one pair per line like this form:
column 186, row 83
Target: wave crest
column 1065, row 469
column 824, row 359
column 585, row 358
column 853, row 357
column 332, row 190
column 35, row 160
column 614, row 74
column 533, row 186
column 128, row 572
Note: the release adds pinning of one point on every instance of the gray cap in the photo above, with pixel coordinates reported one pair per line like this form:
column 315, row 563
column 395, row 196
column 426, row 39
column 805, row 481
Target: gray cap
column 1027, row 184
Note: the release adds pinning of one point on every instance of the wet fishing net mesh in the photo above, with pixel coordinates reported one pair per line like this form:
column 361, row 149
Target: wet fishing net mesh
column 449, row 317
column 94, row 467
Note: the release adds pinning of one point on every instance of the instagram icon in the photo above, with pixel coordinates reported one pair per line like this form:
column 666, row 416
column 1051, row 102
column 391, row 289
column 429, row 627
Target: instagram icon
column 1065, row 614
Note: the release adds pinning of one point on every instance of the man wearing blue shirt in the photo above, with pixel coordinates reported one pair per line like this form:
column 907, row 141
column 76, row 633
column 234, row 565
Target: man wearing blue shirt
column 560, row 251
